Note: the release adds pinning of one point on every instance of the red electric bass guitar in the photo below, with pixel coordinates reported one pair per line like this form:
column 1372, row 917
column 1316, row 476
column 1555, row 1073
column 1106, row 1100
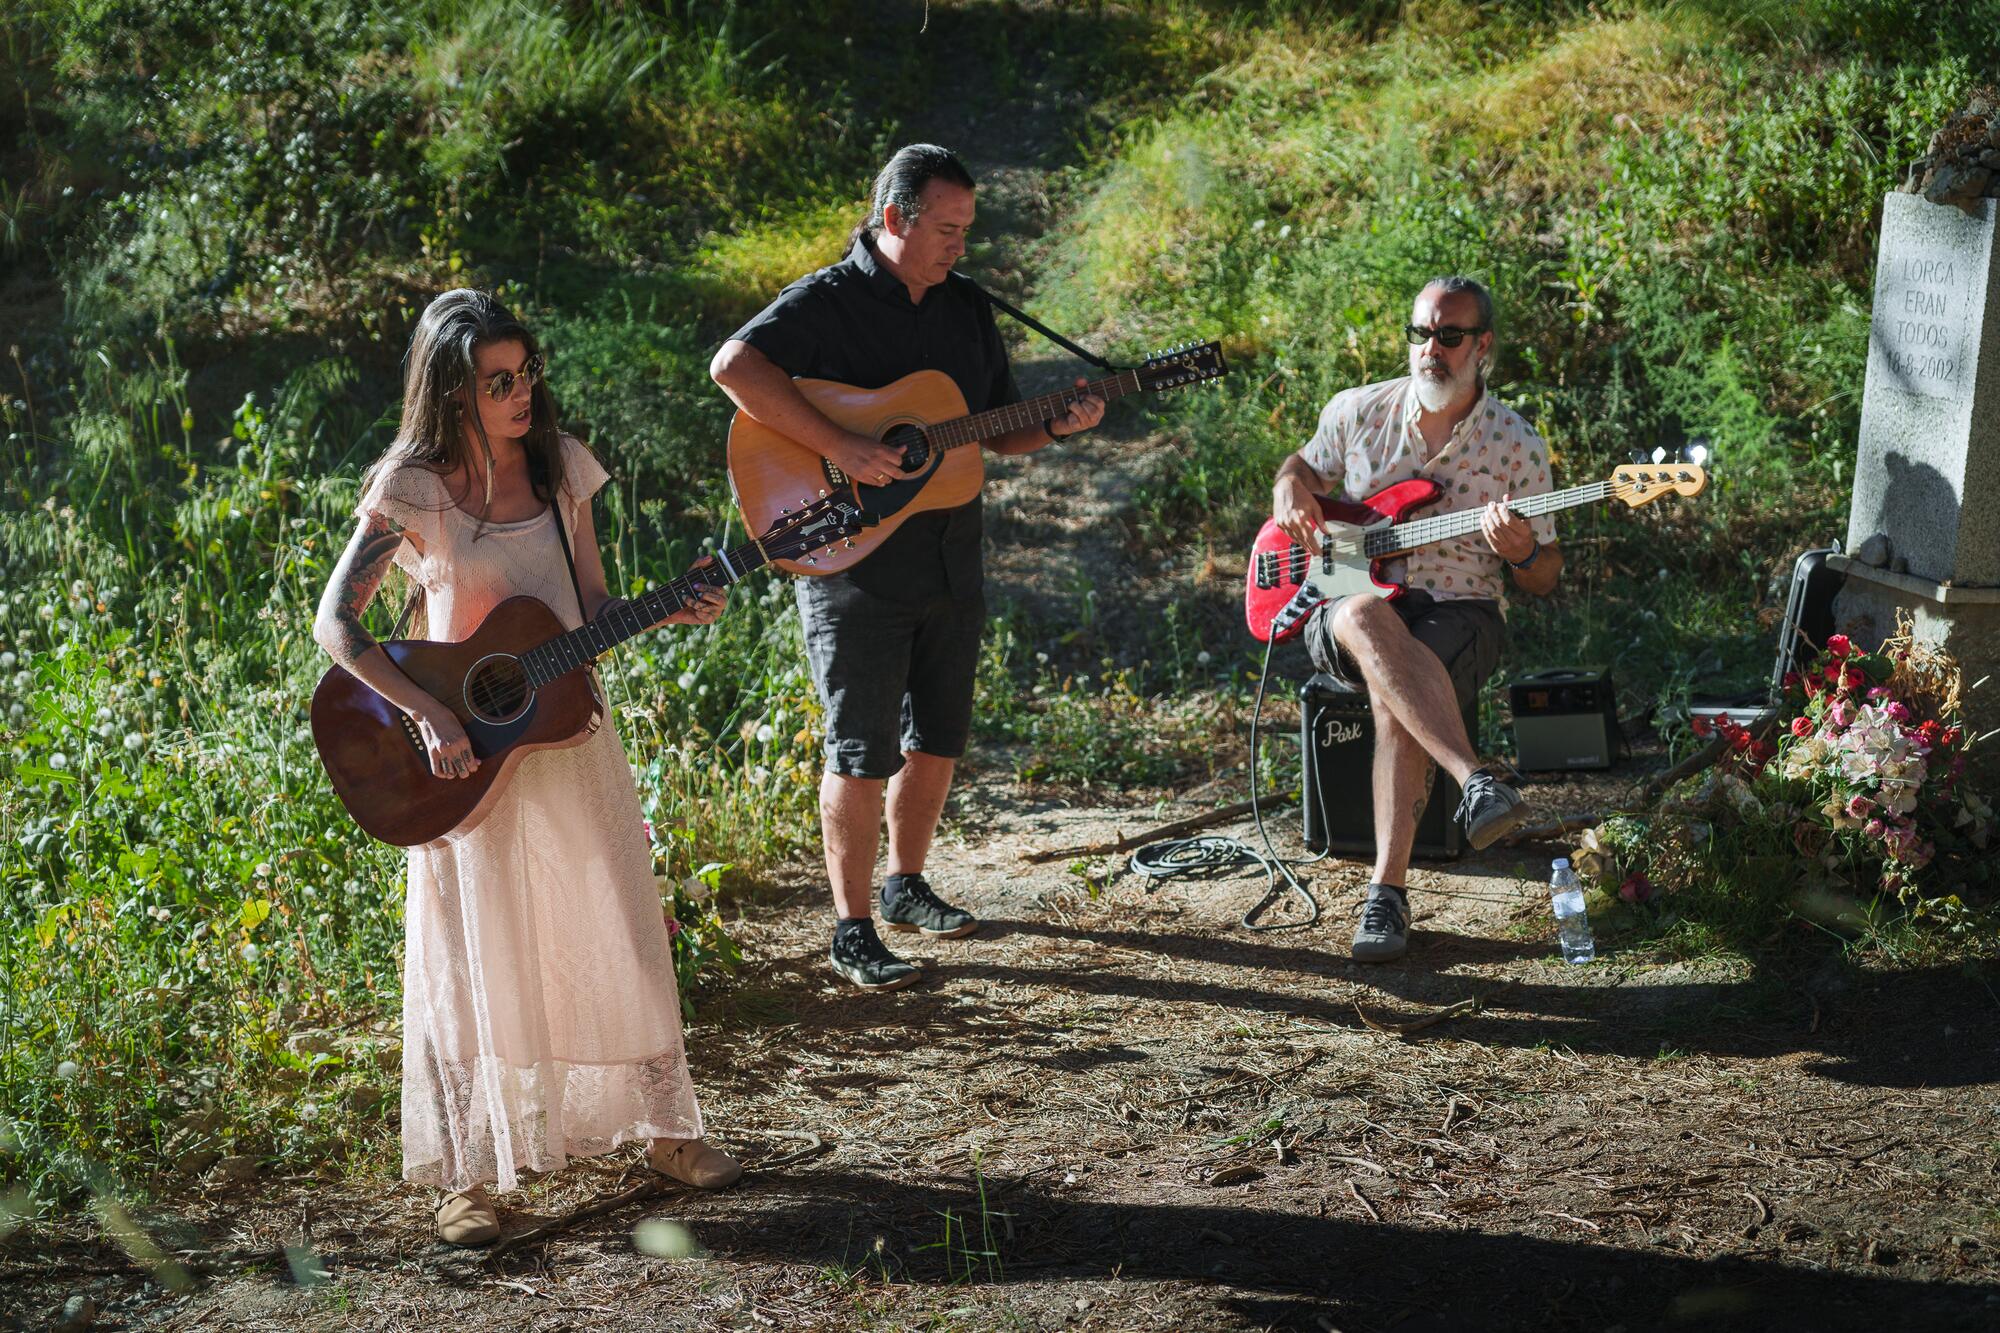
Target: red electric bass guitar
column 1284, row 582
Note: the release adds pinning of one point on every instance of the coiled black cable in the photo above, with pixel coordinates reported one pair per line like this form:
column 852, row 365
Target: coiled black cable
column 1211, row 854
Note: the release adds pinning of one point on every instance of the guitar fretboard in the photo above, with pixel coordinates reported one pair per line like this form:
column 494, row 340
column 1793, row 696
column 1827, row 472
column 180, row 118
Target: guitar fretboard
column 579, row 647
column 1381, row 543
column 998, row 421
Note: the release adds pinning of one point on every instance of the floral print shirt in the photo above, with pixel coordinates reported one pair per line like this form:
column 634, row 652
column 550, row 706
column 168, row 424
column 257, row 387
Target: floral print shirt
column 1368, row 439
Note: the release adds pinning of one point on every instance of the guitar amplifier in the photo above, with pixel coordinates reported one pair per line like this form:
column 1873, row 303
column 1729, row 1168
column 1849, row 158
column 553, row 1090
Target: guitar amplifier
column 1337, row 749
column 1564, row 719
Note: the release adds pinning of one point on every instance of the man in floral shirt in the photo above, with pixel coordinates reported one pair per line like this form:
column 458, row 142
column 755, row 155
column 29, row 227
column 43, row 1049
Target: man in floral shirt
column 1423, row 656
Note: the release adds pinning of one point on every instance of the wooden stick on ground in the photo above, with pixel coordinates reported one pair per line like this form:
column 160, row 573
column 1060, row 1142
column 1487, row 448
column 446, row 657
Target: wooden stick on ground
column 1126, row 844
column 1553, row 829
column 1470, row 1004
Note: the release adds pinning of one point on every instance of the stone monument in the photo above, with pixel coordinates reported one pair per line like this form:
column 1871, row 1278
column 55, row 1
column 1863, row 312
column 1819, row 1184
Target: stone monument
column 1923, row 531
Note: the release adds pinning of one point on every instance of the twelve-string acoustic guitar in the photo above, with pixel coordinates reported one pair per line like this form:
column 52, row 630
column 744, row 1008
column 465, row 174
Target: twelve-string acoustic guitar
column 924, row 415
column 1285, row 582
column 517, row 683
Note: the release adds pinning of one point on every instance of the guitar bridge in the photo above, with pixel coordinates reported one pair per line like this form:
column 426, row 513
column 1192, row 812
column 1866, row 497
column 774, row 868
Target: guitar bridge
column 416, row 738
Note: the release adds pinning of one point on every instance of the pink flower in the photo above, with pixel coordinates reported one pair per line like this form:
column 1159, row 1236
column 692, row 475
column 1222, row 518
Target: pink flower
column 1637, row 889
column 1898, row 710
column 1878, row 692
column 1859, row 806
column 1949, row 736
column 673, row 927
column 1837, row 646
column 1875, row 828
column 647, row 824
column 1839, row 713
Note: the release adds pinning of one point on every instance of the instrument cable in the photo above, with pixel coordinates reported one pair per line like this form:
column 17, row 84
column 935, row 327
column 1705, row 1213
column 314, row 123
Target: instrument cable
column 1211, row 854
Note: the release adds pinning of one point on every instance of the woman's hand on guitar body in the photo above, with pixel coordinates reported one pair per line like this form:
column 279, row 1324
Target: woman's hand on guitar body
column 865, row 460
column 445, row 741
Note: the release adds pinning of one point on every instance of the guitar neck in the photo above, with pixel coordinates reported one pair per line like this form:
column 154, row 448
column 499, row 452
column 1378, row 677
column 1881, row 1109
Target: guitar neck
column 1443, row 527
column 999, row 421
column 580, row 647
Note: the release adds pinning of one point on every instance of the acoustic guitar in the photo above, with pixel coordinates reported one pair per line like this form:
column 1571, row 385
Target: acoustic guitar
column 1285, row 582
column 923, row 414
column 516, row 684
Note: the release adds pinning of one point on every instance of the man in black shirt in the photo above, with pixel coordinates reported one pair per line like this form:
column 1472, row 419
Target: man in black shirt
column 894, row 641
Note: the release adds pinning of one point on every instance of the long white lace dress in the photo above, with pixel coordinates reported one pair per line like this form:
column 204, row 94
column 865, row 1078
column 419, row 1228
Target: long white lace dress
column 540, row 1016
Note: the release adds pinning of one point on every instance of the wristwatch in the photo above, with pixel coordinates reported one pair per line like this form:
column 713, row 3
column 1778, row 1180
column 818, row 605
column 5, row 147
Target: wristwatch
column 1533, row 556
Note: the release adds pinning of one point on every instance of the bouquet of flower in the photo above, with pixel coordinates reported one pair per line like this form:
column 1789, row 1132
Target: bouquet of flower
column 1864, row 782
column 1877, row 745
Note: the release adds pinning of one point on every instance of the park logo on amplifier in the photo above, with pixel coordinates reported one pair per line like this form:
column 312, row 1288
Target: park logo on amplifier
column 1337, row 740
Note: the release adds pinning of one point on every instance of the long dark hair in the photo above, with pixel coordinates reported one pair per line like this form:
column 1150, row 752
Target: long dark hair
column 438, row 366
column 902, row 180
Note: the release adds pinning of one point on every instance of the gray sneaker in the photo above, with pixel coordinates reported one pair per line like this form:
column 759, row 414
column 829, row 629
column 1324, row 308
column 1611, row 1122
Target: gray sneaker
column 909, row 903
column 1384, row 932
column 1489, row 809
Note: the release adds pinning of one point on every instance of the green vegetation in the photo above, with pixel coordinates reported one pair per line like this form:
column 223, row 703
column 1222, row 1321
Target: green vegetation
column 219, row 218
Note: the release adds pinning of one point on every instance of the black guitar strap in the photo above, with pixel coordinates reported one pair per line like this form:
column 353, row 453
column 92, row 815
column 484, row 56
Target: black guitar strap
column 1024, row 317
column 562, row 540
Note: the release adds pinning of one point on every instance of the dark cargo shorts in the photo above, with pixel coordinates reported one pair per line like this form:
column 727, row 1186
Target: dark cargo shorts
column 1466, row 633
column 893, row 676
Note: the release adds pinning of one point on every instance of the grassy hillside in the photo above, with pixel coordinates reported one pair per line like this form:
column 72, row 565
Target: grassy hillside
column 219, row 219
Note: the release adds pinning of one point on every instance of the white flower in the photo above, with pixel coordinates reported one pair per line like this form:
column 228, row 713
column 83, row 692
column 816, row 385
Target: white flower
column 15, row 711
column 1042, row 659
column 686, row 680
column 104, row 715
column 326, row 918
column 76, row 588
column 22, row 680
column 134, row 741
column 7, row 661
column 1258, row 225
column 46, row 612
column 308, row 1110
column 263, row 870
column 1203, row 658
column 58, row 760
column 759, row 776
column 764, row 734
column 249, row 953
column 1285, row 231
column 68, row 1069
column 159, row 913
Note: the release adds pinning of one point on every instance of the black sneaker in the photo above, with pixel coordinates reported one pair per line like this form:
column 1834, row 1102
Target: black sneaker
column 1489, row 810
column 1384, row 932
column 909, row 904
column 860, row 956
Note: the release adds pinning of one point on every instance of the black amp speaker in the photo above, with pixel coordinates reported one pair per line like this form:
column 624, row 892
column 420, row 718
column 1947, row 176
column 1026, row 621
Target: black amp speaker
column 1337, row 749
column 1564, row 719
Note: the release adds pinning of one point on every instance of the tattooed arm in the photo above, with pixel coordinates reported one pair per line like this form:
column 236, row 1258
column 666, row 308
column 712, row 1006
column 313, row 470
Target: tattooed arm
column 337, row 629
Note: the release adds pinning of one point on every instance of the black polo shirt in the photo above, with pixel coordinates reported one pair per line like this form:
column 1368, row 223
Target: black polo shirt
column 854, row 322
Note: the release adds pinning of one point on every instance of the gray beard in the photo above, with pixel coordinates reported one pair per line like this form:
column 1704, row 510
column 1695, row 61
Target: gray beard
column 1435, row 395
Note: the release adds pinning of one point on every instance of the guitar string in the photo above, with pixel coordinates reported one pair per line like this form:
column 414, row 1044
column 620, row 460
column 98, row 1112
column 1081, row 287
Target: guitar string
column 1420, row 532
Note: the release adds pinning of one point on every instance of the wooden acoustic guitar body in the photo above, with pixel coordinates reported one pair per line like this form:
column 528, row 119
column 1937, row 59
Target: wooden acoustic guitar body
column 375, row 755
column 772, row 475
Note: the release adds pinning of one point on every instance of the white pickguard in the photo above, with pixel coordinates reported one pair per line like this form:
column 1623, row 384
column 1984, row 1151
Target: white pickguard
column 1341, row 569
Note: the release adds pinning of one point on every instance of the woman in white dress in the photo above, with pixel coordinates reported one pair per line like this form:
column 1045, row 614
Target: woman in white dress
column 540, row 1016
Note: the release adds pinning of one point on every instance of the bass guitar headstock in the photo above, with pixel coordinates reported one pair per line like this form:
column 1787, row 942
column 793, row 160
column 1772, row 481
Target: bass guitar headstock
column 1642, row 483
column 1178, row 367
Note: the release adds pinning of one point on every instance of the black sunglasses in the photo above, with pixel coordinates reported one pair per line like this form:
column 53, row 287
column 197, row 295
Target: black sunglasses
column 1448, row 335
column 501, row 387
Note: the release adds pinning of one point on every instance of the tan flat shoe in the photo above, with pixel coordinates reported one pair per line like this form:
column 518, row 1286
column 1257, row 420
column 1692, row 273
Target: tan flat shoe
column 693, row 1162
column 468, row 1218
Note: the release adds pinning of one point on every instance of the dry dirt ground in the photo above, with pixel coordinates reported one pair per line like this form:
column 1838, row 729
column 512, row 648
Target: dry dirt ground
column 1119, row 1110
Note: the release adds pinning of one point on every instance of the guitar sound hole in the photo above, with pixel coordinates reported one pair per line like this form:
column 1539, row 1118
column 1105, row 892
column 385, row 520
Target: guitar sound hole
column 916, row 449
column 496, row 689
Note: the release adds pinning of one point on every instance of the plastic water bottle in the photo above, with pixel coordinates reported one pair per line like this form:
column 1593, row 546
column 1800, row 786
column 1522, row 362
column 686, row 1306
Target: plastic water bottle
column 1572, row 922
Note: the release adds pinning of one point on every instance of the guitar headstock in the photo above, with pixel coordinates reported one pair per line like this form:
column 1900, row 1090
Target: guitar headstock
column 1642, row 483
column 824, row 522
column 1177, row 367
